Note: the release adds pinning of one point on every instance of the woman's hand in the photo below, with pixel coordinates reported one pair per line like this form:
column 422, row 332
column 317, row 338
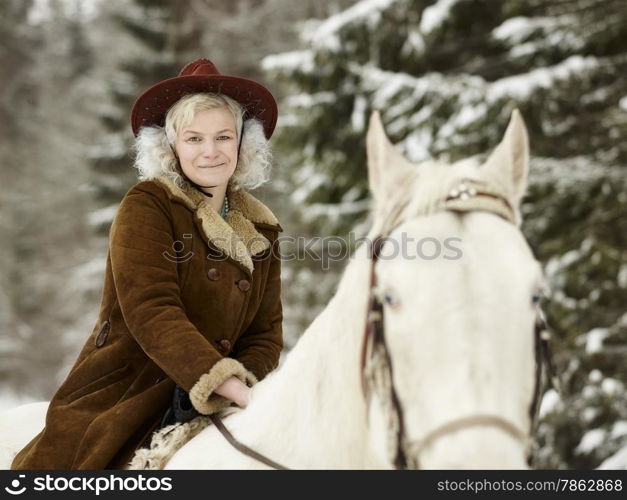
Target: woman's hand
column 235, row 390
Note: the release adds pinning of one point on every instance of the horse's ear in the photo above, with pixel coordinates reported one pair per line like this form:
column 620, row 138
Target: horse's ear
column 509, row 162
column 384, row 161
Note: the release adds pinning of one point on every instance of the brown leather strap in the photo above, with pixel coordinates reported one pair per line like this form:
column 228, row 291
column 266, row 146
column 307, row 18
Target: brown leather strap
column 373, row 314
column 463, row 424
column 243, row 448
column 370, row 319
column 374, row 335
column 487, row 194
column 537, row 391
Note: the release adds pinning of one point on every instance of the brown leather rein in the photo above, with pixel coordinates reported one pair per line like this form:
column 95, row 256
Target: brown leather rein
column 242, row 447
column 406, row 453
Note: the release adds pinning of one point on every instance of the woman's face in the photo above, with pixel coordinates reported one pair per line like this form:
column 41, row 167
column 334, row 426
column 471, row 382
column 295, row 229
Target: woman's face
column 207, row 148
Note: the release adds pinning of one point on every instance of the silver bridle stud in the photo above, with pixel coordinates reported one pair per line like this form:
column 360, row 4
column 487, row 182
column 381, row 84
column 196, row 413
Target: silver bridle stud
column 463, row 192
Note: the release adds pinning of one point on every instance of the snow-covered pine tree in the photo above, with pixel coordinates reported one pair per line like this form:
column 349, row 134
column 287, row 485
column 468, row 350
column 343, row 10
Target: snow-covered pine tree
column 162, row 37
column 43, row 172
column 446, row 75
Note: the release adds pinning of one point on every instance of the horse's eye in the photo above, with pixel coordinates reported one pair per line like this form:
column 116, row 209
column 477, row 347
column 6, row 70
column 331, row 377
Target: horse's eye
column 390, row 299
column 536, row 298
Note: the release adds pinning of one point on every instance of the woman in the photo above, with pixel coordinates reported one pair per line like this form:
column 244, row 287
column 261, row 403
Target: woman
column 191, row 296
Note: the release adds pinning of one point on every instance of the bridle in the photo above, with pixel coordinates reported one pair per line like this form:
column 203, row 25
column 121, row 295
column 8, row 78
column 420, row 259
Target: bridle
column 376, row 363
column 376, row 368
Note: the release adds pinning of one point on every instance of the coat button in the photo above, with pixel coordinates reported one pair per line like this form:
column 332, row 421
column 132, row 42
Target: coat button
column 225, row 345
column 101, row 337
column 244, row 285
column 213, row 274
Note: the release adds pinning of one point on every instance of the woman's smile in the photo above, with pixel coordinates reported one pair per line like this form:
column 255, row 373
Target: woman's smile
column 211, row 166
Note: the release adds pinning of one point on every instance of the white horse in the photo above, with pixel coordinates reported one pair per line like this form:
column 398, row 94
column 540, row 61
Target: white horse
column 447, row 379
column 17, row 427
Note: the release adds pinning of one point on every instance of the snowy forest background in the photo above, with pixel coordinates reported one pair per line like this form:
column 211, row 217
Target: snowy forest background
column 446, row 75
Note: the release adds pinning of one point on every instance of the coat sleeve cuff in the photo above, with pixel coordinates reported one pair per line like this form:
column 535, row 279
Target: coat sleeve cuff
column 201, row 394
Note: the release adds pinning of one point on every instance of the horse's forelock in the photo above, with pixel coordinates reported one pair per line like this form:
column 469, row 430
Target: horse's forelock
column 423, row 191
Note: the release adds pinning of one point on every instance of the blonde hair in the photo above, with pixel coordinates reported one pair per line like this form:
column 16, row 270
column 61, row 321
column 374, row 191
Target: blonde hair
column 154, row 145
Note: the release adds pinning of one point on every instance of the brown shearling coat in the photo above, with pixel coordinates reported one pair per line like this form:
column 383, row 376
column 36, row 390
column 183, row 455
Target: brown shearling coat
column 189, row 298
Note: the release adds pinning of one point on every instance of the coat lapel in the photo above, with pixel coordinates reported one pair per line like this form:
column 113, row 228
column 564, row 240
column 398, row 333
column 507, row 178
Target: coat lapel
column 236, row 236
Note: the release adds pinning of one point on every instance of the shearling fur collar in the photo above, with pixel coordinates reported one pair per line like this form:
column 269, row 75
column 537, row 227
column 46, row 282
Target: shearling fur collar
column 236, row 235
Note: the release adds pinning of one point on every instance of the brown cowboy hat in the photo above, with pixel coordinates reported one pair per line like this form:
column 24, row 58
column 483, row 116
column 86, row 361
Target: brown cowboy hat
column 201, row 75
